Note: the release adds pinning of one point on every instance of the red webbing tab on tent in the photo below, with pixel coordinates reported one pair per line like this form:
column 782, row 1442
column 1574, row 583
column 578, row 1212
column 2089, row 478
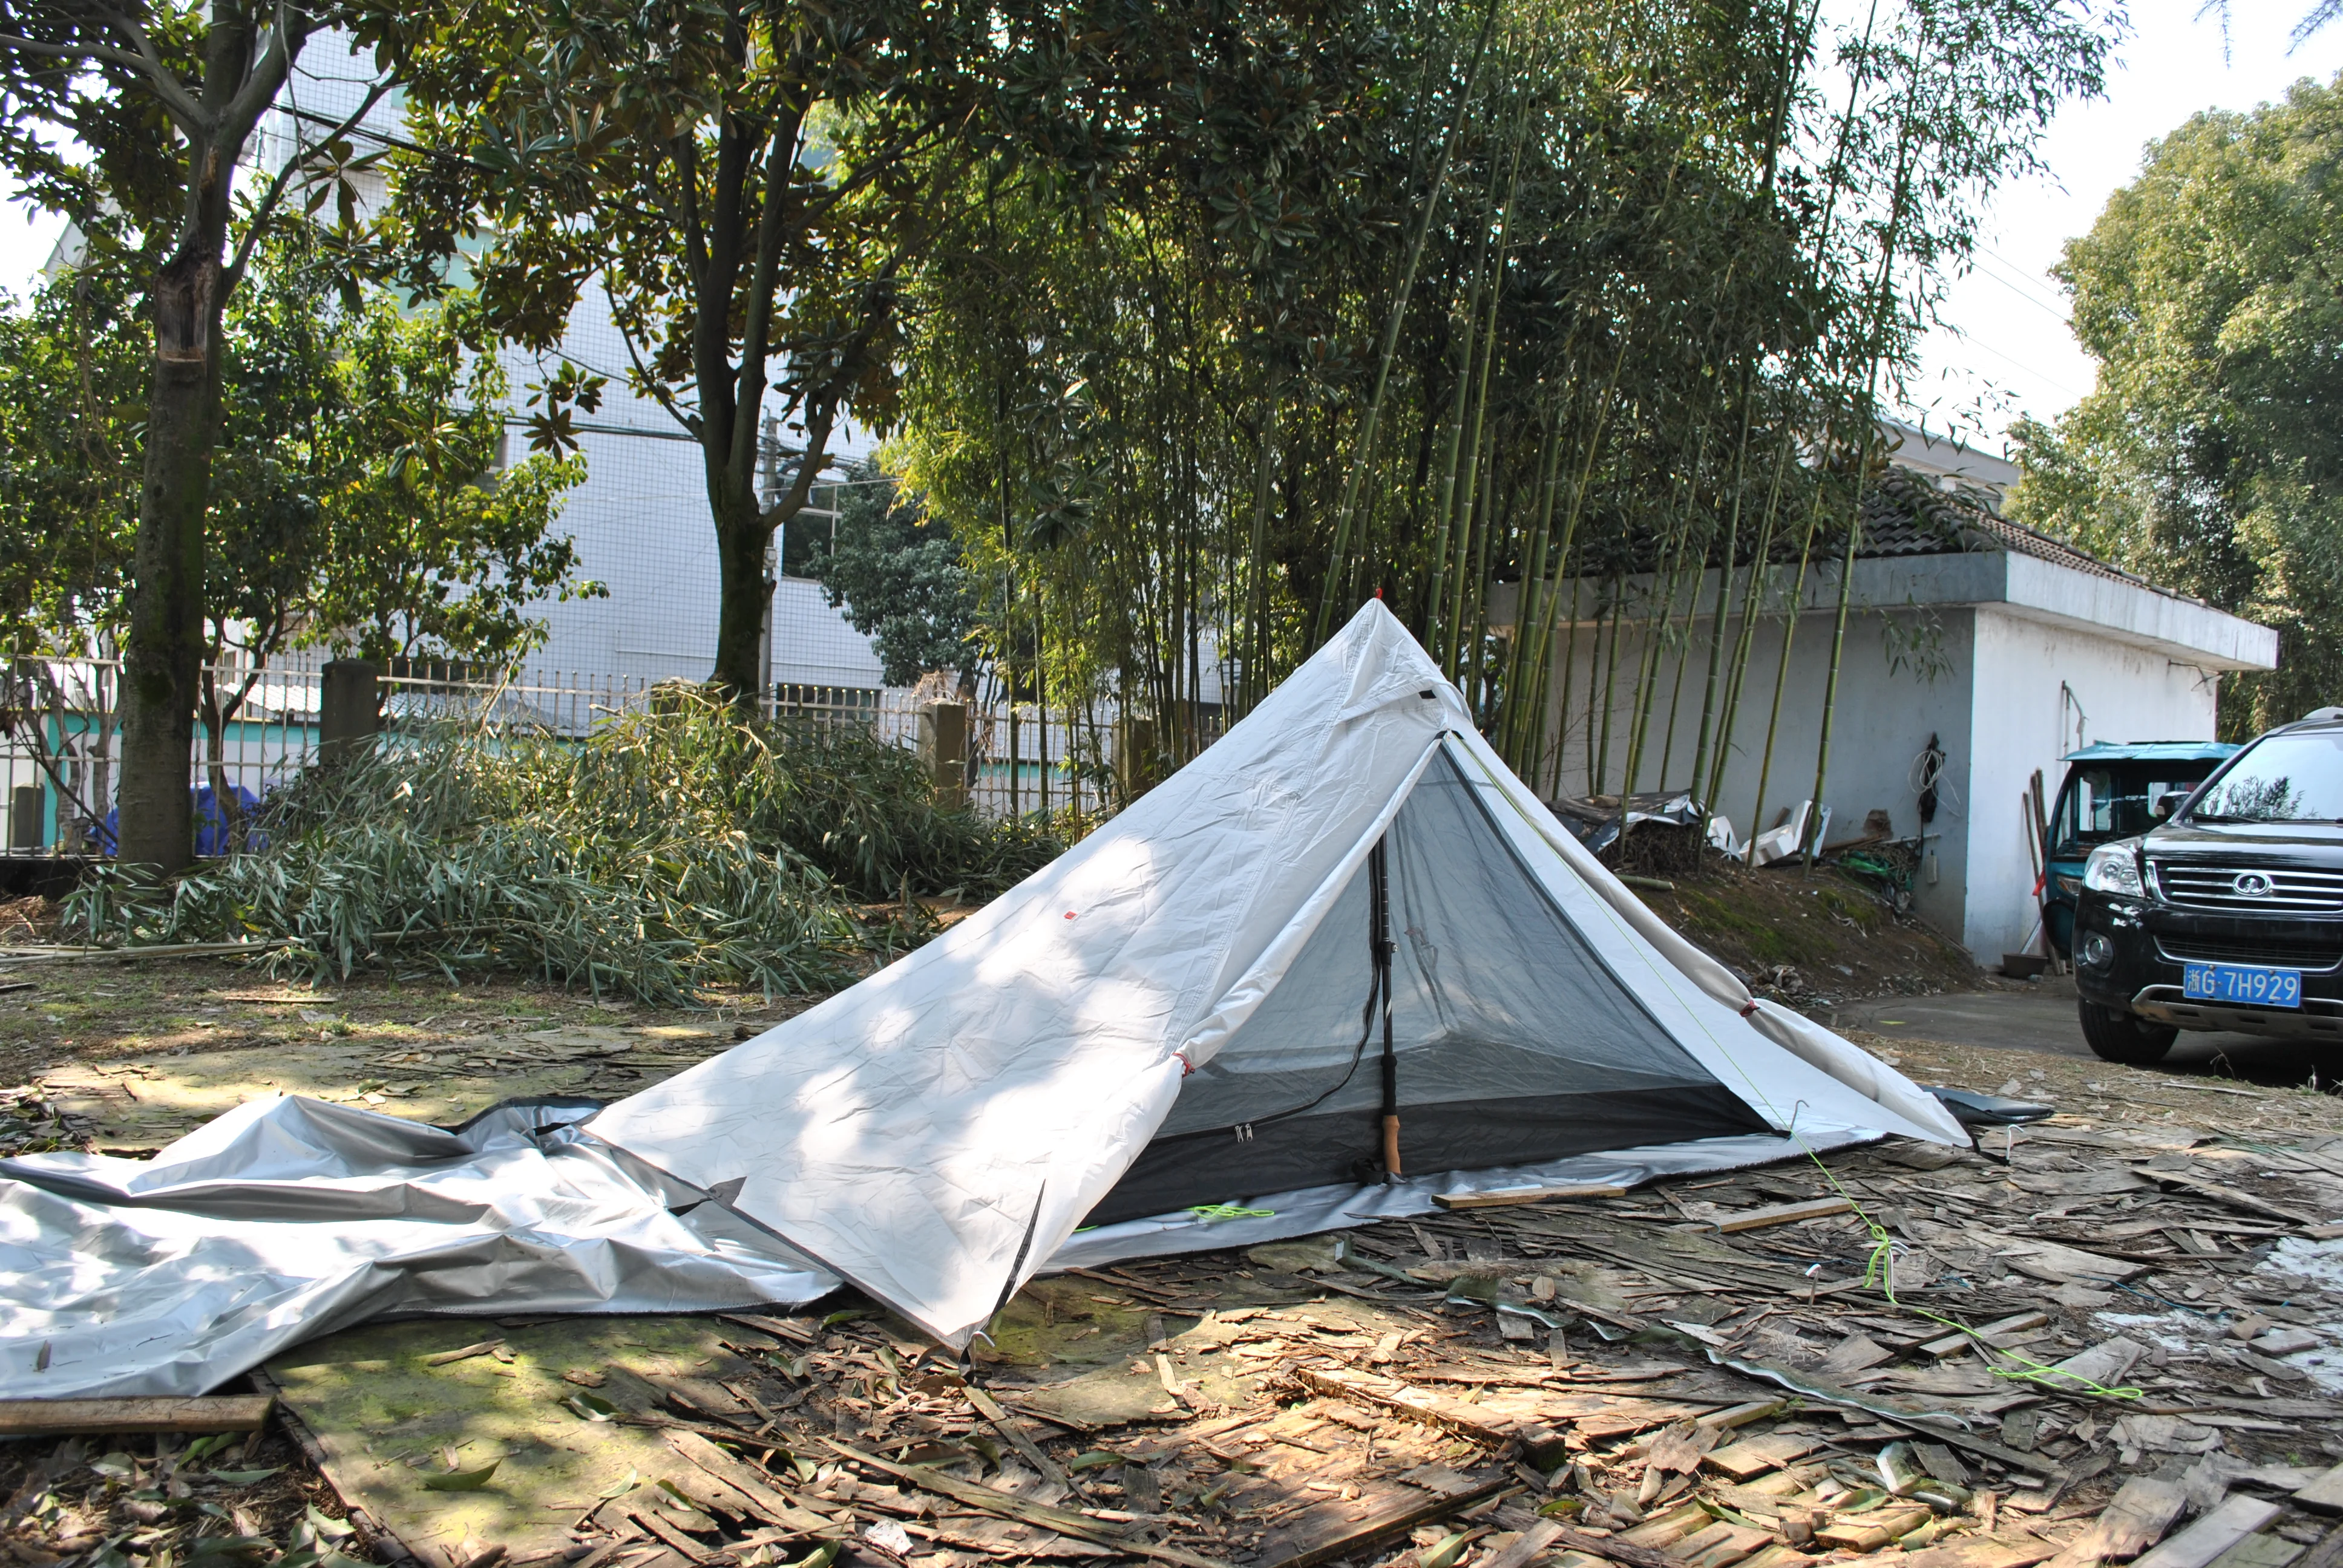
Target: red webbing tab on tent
column 1186, row 1067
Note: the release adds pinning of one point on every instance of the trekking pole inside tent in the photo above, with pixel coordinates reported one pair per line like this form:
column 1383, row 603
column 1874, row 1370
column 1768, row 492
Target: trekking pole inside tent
column 1378, row 874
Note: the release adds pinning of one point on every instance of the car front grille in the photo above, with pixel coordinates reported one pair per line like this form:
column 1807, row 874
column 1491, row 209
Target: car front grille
column 2286, row 953
column 2288, row 890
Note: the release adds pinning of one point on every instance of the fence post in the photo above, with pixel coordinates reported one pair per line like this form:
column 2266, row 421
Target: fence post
column 350, row 709
column 1136, row 761
column 943, row 750
column 25, row 803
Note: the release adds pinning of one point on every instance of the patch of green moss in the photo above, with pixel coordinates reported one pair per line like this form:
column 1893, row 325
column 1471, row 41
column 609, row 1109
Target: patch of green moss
column 1708, row 915
column 1848, row 903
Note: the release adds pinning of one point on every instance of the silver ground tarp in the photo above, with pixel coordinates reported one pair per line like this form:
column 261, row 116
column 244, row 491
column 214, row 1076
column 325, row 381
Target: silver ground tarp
column 287, row 1219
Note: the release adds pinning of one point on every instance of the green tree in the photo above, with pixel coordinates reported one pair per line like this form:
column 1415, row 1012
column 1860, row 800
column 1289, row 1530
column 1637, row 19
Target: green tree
column 134, row 115
column 359, row 498
column 2208, row 457
column 746, row 184
column 899, row 575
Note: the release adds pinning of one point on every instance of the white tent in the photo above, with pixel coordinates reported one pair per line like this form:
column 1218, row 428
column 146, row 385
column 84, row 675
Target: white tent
column 1203, row 1002
column 1347, row 910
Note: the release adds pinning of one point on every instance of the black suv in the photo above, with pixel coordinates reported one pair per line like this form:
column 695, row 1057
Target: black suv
column 2229, row 913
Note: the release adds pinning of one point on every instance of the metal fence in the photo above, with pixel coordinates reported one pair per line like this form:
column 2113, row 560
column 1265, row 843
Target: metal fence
column 61, row 742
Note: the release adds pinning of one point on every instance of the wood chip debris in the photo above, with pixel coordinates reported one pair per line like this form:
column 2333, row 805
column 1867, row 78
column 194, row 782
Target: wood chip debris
column 2076, row 1367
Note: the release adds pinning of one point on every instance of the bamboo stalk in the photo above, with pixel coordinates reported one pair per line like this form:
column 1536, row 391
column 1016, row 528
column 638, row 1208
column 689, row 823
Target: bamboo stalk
column 1392, row 328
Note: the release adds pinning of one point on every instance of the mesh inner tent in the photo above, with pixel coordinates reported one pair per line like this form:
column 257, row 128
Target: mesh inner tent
column 1515, row 1042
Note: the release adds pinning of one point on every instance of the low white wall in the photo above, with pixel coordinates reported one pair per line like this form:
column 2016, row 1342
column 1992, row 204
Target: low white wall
column 2041, row 691
column 1895, row 691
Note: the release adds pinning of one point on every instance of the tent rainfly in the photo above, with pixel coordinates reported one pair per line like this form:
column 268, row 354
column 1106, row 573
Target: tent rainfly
column 1343, row 959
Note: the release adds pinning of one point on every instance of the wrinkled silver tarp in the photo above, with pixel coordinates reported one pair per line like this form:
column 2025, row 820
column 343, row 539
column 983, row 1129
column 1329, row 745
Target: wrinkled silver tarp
column 286, row 1218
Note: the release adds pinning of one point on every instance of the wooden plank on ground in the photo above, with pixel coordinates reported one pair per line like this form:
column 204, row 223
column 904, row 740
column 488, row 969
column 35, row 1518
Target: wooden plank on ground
column 1870, row 1532
column 2231, row 1197
column 1616, row 1550
column 1526, row 1546
column 2259, row 1552
column 1781, row 1215
column 57, row 1417
column 2237, row 1517
column 1340, row 1527
column 747, row 1480
column 1980, row 1551
column 1749, row 1459
column 1506, row 1196
column 2103, row 1364
column 2135, row 1520
column 1722, row 1543
column 2049, row 1261
column 2323, row 1495
column 1389, row 1394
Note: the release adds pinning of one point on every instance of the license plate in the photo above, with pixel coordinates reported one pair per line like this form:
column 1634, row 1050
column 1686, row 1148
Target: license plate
column 2248, row 985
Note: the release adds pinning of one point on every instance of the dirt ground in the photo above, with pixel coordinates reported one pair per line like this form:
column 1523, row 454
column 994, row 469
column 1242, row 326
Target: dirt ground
column 1809, row 940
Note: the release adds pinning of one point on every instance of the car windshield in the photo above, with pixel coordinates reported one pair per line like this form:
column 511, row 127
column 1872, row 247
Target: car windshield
column 2115, row 801
column 2287, row 778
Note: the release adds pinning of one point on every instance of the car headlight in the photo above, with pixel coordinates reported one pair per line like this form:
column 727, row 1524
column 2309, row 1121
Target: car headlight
column 2070, row 886
column 2113, row 869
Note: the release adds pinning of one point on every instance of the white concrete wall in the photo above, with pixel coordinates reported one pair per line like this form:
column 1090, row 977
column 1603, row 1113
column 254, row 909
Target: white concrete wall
column 1884, row 719
column 642, row 528
column 1986, row 679
column 2041, row 691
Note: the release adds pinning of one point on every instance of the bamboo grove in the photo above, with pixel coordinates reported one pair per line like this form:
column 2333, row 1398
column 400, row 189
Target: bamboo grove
column 1527, row 316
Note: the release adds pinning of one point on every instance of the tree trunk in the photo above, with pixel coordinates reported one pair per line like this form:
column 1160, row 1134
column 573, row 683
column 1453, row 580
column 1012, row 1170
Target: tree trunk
column 163, row 656
column 742, row 532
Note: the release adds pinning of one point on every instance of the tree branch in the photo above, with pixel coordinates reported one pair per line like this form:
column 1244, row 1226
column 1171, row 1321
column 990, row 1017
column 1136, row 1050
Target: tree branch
column 643, row 377
column 158, row 71
column 276, row 187
column 185, row 111
column 764, row 275
column 267, row 74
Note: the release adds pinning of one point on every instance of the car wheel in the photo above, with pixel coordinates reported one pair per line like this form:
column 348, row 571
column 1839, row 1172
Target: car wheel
column 2119, row 1037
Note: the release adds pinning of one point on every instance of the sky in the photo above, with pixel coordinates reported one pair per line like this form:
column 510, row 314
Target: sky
column 2010, row 351
column 2007, row 349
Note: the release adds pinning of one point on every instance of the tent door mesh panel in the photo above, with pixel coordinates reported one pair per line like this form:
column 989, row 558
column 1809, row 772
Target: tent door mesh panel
column 1512, row 1042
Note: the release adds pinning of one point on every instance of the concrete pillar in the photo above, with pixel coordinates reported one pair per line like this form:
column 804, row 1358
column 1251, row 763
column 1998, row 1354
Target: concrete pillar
column 25, row 809
column 943, row 750
column 1137, row 764
column 349, row 711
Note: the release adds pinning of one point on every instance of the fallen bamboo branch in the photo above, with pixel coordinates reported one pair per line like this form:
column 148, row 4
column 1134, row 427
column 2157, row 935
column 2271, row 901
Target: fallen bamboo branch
column 1040, row 1516
column 158, row 951
column 56, row 1417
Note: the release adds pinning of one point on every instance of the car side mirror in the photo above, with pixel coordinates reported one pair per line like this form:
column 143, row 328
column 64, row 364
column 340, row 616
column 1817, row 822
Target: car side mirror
column 2168, row 802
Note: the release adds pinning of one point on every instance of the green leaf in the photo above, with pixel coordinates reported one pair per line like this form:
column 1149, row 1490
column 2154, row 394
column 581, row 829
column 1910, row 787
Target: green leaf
column 461, row 1480
column 244, row 1477
column 1092, row 1460
column 1445, row 1554
column 592, row 1406
column 332, row 1529
column 634, row 1479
